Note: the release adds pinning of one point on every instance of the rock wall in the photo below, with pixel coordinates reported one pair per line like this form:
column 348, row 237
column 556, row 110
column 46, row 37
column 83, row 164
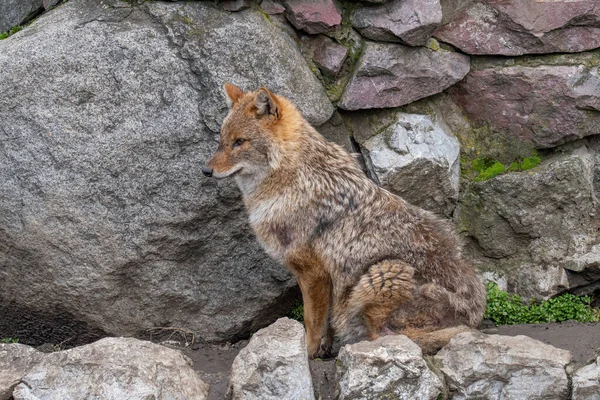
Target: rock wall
column 109, row 109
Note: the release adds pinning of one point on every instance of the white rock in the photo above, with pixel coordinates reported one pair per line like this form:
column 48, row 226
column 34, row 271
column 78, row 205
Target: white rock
column 580, row 262
column 389, row 367
column 274, row 365
column 15, row 361
column 586, row 382
column 496, row 277
column 113, row 368
column 478, row 366
column 417, row 157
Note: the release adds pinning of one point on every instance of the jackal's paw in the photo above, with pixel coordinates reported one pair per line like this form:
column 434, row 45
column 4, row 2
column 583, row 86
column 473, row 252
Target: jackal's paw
column 326, row 345
column 321, row 352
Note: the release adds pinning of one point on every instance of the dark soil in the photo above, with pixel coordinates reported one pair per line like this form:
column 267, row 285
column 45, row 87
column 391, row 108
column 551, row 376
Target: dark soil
column 58, row 330
column 582, row 340
column 323, row 374
column 213, row 363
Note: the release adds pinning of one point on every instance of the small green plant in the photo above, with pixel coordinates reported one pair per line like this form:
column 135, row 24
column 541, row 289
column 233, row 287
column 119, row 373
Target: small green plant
column 297, row 312
column 9, row 340
column 490, row 172
column 530, row 162
column 505, row 309
column 527, row 163
column 14, row 30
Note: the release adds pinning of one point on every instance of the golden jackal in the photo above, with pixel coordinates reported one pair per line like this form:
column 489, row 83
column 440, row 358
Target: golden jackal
column 367, row 262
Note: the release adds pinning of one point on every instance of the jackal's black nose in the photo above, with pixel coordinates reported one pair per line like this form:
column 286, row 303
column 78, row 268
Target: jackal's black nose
column 207, row 171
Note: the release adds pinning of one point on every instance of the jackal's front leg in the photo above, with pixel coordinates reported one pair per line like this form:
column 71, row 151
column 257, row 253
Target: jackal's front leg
column 315, row 284
column 316, row 288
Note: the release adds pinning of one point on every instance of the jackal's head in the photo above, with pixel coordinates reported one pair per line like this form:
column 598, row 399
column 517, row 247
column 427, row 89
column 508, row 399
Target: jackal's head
column 252, row 135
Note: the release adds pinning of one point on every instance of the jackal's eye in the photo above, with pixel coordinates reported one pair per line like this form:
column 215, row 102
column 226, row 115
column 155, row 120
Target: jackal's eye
column 238, row 142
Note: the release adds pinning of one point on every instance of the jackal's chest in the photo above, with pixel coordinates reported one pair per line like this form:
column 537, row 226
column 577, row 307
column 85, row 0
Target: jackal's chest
column 268, row 220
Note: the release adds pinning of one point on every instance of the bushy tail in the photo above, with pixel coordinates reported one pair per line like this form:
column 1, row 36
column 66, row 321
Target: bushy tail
column 467, row 301
column 432, row 341
column 379, row 291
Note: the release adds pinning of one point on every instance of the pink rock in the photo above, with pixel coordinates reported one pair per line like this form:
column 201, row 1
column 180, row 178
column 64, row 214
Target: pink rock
column 545, row 105
column 313, row 16
column 515, row 27
column 391, row 75
column 407, row 21
column 272, row 7
column 329, row 56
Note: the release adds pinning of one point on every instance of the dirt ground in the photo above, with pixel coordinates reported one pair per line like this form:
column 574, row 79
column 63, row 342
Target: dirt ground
column 582, row 340
column 213, row 362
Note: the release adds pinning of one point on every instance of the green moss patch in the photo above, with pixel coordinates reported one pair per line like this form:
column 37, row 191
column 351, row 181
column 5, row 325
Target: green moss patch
column 484, row 168
column 11, row 32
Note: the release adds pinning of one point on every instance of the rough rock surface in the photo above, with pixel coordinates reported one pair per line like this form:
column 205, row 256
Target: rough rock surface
column 314, row 16
column 245, row 49
column 15, row 12
column 336, row 131
column 546, row 101
column 531, row 224
column 236, row 5
column 113, row 368
column 586, row 382
column 389, row 367
column 15, row 361
column 514, row 28
column 415, row 156
column 105, row 124
column 328, row 55
column 450, row 8
column 274, row 365
column 502, row 367
column 407, row 21
column 391, row 75
column 272, row 7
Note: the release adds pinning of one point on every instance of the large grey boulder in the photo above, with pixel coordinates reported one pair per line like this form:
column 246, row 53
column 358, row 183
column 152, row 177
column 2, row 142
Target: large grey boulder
column 106, row 118
column 407, row 21
column 274, row 365
column 586, row 382
column 391, row 75
column 529, row 226
column 479, row 366
column 391, row 367
column 513, row 28
column 15, row 361
column 545, row 101
column 15, row 12
column 415, row 156
column 245, row 49
column 113, row 368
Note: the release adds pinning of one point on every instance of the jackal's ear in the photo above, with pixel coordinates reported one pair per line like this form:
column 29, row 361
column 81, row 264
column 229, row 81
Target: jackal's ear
column 266, row 104
column 232, row 94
